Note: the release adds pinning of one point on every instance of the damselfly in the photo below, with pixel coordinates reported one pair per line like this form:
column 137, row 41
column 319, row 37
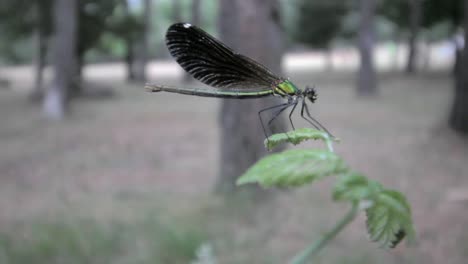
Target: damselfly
column 231, row 74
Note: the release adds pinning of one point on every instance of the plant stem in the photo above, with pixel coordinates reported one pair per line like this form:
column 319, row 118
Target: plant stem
column 314, row 248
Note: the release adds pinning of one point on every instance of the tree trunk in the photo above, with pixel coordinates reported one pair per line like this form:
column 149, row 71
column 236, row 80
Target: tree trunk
column 130, row 59
column 415, row 22
column 77, row 87
column 395, row 52
column 130, row 52
column 142, row 52
column 64, row 58
column 39, row 64
column 459, row 115
column 427, row 55
column 328, row 58
column 367, row 80
column 40, row 41
column 251, row 28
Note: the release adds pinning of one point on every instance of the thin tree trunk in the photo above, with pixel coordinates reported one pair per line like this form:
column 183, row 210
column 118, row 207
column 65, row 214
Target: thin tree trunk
column 395, row 53
column 251, row 28
column 459, row 115
column 427, row 55
column 64, row 58
column 77, row 87
column 415, row 22
column 129, row 59
column 130, row 54
column 41, row 49
column 328, row 57
column 367, row 80
column 39, row 64
column 142, row 54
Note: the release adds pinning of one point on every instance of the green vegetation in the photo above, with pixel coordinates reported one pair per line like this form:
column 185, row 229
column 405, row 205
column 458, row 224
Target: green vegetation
column 88, row 241
column 114, row 163
column 104, row 26
column 388, row 212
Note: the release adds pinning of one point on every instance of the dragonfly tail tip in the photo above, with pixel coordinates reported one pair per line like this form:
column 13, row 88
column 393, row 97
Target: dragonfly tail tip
column 152, row 88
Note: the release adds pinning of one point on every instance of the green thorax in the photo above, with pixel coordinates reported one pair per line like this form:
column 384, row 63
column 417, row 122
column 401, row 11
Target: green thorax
column 286, row 88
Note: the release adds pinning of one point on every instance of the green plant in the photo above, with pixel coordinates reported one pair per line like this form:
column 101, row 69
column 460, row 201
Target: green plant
column 146, row 240
column 388, row 212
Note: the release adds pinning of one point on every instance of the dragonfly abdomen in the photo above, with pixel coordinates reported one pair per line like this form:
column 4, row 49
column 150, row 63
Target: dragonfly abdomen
column 209, row 92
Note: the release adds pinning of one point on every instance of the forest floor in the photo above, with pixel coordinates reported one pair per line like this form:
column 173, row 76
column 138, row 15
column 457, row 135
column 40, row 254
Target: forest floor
column 130, row 179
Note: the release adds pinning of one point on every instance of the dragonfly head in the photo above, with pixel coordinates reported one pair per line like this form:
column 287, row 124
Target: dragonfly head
column 310, row 93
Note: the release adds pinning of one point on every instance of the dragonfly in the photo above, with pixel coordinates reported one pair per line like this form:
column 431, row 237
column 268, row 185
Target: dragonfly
column 232, row 75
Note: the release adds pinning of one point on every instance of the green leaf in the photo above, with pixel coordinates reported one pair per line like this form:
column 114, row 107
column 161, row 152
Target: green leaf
column 355, row 187
column 293, row 168
column 389, row 219
column 297, row 136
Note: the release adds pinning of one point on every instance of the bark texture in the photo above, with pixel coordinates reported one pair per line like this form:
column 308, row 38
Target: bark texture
column 252, row 28
column 415, row 24
column 142, row 46
column 41, row 49
column 64, row 58
column 459, row 114
column 367, row 79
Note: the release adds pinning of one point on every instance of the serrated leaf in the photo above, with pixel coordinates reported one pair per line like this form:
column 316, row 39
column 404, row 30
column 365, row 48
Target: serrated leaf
column 355, row 187
column 297, row 136
column 293, row 168
column 389, row 219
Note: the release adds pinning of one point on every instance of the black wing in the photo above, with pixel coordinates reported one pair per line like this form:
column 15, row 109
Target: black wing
column 213, row 63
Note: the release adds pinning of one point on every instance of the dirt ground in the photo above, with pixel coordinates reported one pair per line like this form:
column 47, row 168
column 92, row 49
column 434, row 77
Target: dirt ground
column 119, row 159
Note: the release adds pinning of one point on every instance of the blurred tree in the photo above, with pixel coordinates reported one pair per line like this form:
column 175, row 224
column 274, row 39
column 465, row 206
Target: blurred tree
column 43, row 31
column 318, row 23
column 451, row 11
column 407, row 16
column 415, row 17
column 121, row 29
column 252, row 28
column 436, row 11
column 456, row 13
column 93, row 17
column 14, row 29
column 459, row 115
column 36, row 17
column 143, row 42
column 64, row 59
column 128, row 27
column 367, row 80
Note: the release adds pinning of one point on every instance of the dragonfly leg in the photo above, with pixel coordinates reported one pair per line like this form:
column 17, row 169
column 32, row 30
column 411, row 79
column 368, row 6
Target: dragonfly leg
column 269, row 109
column 290, row 114
column 278, row 113
column 312, row 120
column 305, row 118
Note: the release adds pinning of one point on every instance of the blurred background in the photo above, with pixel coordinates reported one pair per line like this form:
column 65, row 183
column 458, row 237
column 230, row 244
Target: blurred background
column 93, row 169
